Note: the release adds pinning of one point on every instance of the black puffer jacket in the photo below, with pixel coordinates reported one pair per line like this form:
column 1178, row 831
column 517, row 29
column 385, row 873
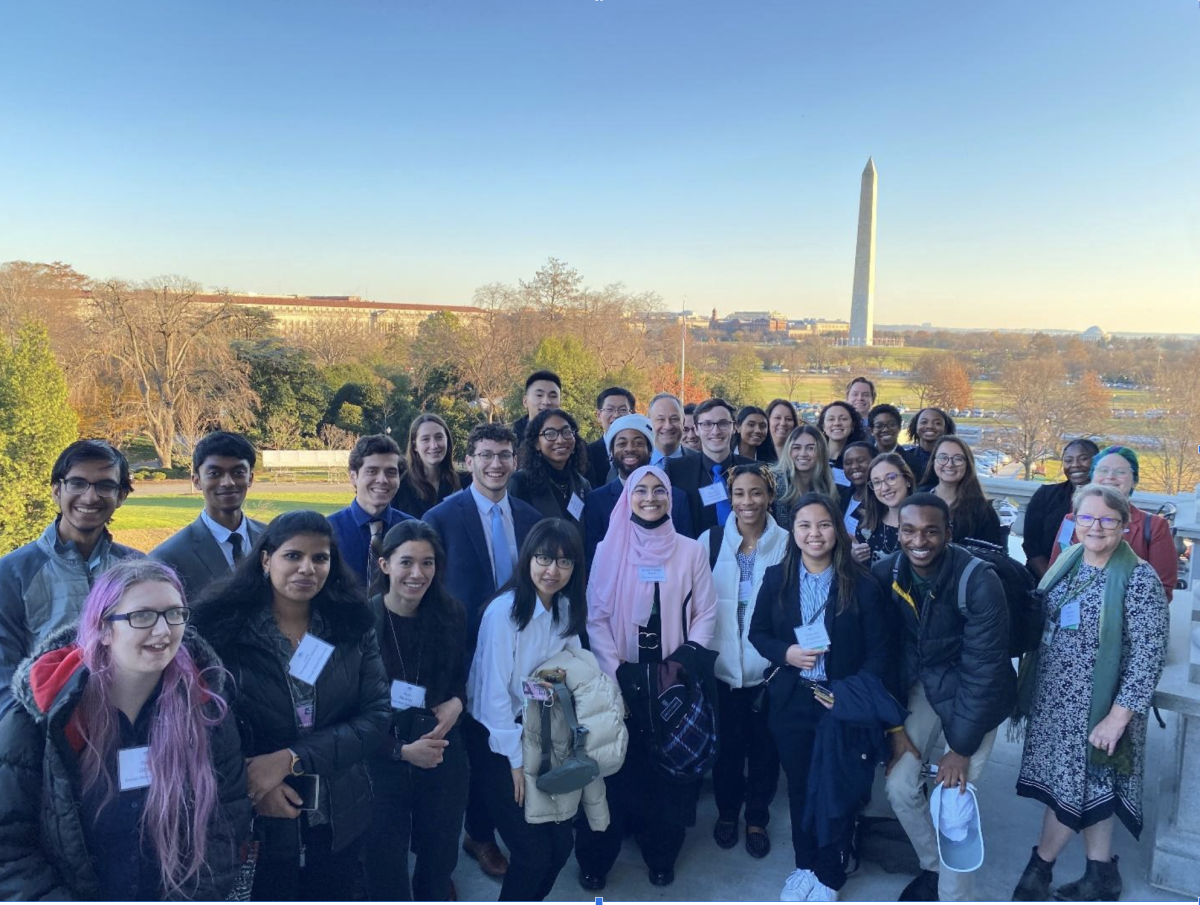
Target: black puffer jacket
column 43, row 852
column 352, row 714
column 960, row 657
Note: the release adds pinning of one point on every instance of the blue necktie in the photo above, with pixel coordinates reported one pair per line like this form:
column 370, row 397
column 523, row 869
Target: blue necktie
column 723, row 507
column 500, row 551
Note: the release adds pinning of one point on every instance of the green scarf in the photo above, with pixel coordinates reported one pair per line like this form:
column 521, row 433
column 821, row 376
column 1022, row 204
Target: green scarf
column 1108, row 656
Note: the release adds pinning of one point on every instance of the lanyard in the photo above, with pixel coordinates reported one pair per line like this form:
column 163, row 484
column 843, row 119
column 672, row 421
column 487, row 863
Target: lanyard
column 396, row 642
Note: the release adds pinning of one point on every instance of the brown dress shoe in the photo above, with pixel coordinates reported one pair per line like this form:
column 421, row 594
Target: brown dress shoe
column 489, row 856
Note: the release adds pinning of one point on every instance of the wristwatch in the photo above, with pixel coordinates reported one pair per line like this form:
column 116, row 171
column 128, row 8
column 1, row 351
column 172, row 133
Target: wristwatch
column 295, row 768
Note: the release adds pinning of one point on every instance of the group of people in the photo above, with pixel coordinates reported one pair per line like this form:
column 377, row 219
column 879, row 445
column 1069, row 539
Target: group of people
column 284, row 711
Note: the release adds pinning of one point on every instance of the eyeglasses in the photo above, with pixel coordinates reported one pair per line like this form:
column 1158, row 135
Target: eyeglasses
column 888, row 480
column 709, row 426
column 1107, row 522
column 144, row 619
column 943, row 459
column 77, row 486
column 564, row 562
column 886, row 426
column 553, row 433
column 487, row 457
column 1113, row 472
column 615, row 412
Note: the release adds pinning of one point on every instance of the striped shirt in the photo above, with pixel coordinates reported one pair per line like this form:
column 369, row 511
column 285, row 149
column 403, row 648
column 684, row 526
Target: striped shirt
column 814, row 594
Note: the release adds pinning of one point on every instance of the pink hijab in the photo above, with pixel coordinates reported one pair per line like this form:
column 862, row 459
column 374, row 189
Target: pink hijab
column 614, row 593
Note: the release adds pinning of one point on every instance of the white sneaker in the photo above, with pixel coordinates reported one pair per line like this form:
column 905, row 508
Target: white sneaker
column 797, row 886
column 821, row 893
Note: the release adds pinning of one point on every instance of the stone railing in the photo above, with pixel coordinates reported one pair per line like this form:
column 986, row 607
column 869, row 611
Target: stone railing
column 1176, row 861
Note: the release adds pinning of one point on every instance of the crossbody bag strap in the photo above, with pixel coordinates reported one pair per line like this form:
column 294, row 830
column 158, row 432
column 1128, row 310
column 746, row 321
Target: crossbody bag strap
column 682, row 613
column 547, row 742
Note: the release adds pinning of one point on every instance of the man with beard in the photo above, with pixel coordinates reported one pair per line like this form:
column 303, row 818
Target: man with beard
column 629, row 441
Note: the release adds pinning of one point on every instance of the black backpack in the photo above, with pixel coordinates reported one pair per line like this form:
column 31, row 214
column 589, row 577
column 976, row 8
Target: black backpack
column 1020, row 590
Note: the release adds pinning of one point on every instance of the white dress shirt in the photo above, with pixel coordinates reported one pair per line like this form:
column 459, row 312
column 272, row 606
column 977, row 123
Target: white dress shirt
column 485, row 515
column 503, row 657
column 221, row 535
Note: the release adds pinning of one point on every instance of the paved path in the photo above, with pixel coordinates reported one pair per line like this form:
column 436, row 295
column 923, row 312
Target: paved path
column 706, row 873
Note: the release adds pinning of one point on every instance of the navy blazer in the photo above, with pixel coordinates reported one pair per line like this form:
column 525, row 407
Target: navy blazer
column 600, row 503
column 689, row 474
column 196, row 556
column 469, row 576
column 857, row 640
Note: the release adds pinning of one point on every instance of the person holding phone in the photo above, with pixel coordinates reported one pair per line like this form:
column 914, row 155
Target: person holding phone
column 819, row 618
column 311, row 701
column 130, row 703
column 538, row 613
column 420, row 773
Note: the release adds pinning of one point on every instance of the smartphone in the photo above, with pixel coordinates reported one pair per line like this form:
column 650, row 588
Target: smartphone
column 309, row 788
column 422, row 724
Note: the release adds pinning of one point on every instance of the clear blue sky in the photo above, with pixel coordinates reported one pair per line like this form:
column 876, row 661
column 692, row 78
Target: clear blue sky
column 1037, row 159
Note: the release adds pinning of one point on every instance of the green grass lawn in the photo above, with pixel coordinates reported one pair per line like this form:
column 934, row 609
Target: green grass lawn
column 146, row 522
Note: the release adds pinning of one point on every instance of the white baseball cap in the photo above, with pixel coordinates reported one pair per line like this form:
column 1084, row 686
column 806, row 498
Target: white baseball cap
column 959, row 831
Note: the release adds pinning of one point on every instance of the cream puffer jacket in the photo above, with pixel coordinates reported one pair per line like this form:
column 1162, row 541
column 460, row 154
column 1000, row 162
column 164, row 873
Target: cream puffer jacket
column 600, row 707
column 739, row 664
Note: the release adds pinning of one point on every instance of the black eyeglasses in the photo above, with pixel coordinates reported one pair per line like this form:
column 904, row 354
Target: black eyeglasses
column 77, row 486
column 551, row 434
column 144, row 619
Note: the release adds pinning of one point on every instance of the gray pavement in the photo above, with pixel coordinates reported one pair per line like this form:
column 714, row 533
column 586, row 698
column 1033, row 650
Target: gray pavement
column 1011, row 825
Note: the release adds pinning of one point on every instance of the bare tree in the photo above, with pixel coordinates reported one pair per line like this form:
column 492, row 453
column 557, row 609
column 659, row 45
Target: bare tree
column 339, row 340
column 333, row 437
column 1172, row 464
column 1043, row 409
column 163, row 336
column 554, row 289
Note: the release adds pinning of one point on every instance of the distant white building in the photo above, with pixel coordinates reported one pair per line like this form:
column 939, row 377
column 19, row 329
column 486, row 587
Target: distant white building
column 1094, row 334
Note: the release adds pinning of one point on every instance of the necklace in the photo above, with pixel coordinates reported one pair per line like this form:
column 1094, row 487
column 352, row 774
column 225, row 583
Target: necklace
column 396, row 643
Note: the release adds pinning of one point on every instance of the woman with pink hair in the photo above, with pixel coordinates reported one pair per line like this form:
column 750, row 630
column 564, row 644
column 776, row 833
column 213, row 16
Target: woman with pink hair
column 120, row 776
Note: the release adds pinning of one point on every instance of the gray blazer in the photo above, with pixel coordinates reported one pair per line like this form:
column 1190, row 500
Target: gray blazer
column 194, row 553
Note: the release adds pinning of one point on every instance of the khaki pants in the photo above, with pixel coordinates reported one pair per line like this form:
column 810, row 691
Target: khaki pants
column 912, row 807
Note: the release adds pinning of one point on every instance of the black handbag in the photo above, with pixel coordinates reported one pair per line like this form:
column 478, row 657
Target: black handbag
column 577, row 768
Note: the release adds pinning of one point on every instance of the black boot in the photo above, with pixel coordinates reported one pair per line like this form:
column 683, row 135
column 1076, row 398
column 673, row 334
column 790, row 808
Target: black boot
column 1034, row 885
column 922, row 889
column 1101, row 882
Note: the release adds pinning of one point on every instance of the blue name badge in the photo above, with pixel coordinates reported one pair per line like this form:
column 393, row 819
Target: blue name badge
column 1066, row 534
column 1068, row 616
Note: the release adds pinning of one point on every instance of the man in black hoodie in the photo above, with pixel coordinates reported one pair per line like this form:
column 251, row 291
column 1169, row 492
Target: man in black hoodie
column 951, row 625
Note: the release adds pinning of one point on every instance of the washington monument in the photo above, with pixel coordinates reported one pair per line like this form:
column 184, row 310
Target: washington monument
column 862, row 302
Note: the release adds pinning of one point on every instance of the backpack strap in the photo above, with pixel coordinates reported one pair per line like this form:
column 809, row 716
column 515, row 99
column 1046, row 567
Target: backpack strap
column 716, row 534
column 1146, row 532
column 974, row 564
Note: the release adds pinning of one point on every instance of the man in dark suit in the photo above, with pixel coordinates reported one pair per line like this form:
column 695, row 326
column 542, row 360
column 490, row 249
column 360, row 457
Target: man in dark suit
column 612, row 403
column 209, row 548
column 482, row 529
column 630, row 440
column 375, row 475
column 702, row 477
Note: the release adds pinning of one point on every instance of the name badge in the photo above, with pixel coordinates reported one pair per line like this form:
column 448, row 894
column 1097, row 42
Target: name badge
column 306, row 714
column 813, row 637
column 1066, row 534
column 134, row 768
column 575, row 507
column 745, row 589
column 405, row 695
column 1068, row 616
column 652, row 573
column 310, row 658
column 713, row 494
